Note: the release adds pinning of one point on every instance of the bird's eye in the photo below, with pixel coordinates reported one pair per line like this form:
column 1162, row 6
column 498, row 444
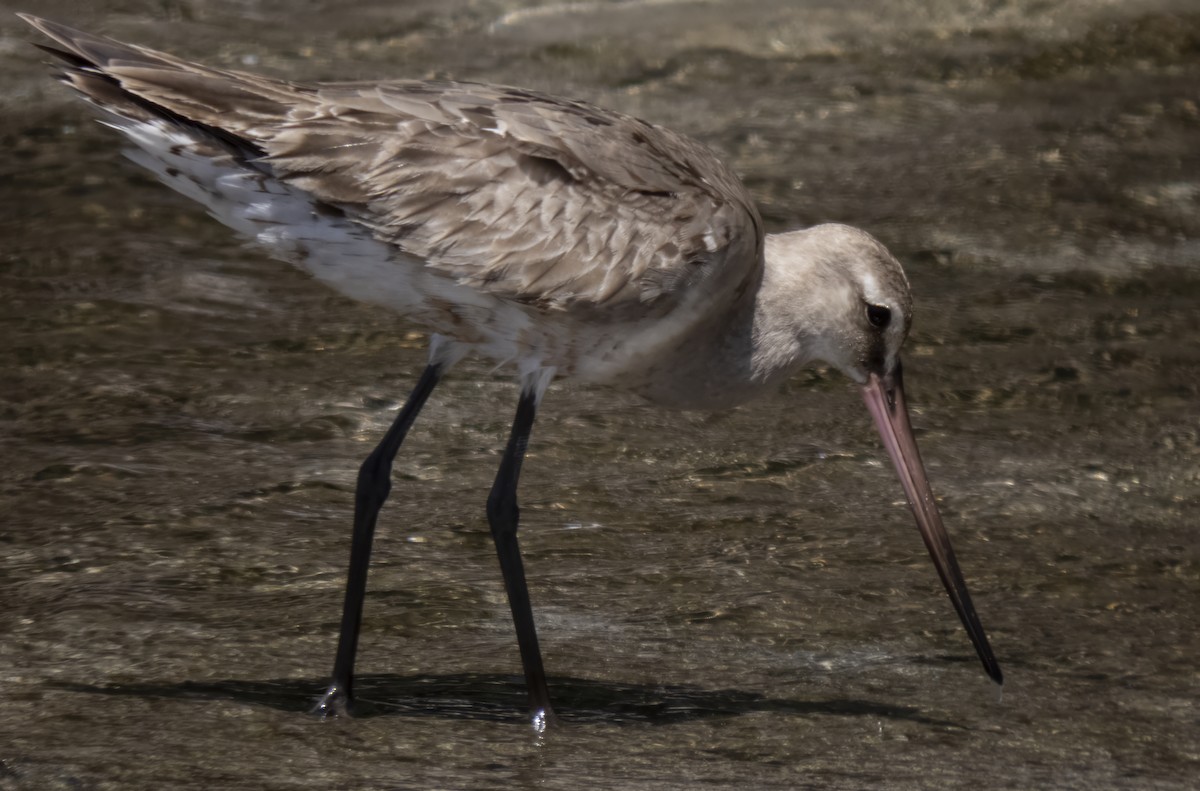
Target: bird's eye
column 879, row 316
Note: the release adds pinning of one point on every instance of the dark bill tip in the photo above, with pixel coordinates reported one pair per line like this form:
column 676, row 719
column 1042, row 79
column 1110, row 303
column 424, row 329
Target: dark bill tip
column 885, row 401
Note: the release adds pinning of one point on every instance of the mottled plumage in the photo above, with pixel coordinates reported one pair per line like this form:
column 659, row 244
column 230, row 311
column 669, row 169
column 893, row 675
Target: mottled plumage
column 546, row 203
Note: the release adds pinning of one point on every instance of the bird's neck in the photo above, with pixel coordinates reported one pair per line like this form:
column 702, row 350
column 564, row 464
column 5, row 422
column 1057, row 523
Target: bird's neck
column 789, row 321
column 754, row 345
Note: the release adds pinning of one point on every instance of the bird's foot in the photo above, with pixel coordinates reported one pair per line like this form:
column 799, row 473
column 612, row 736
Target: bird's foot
column 542, row 718
column 335, row 702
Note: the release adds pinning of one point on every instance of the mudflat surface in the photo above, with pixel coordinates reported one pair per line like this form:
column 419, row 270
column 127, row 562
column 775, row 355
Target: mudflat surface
column 724, row 601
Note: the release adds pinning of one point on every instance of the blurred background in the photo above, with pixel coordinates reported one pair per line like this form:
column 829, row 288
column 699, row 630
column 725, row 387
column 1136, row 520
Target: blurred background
column 733, row 600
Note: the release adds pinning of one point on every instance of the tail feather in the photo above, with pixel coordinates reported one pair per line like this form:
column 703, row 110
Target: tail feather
column 142, row 84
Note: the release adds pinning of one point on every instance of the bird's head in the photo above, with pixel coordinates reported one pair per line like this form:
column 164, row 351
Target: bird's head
column 849, row 296
column 837, row 295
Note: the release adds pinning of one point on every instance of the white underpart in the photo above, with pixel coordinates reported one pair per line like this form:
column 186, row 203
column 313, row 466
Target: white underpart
column 336, row 250
column 444, row 351
column 535, row 379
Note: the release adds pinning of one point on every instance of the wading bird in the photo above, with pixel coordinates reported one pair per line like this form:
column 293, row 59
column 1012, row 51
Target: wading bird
column 554, row 237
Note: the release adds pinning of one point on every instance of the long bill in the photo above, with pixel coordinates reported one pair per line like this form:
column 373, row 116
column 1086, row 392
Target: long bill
column 885, row 400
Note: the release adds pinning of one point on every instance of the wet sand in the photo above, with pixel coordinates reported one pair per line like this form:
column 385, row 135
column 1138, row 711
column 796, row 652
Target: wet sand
column 724, row 601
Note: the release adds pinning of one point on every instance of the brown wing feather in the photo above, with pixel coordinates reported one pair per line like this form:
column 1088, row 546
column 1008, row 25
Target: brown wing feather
column 527, row 196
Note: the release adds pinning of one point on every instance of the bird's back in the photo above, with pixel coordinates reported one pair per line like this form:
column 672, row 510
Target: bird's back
column 515, row 221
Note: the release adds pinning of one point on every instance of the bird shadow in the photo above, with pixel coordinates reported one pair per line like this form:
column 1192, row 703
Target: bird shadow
column 496, row 697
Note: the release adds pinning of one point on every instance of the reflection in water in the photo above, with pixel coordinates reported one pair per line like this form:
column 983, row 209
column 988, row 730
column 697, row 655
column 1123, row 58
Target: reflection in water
column 503, row 698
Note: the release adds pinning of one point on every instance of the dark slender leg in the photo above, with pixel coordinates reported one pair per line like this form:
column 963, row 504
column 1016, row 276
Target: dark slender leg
column 503, row 516
column 374, row 483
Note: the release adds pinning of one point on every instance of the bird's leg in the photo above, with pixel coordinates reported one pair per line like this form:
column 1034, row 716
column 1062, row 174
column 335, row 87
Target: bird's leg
column 374, row 483
column 503, row 516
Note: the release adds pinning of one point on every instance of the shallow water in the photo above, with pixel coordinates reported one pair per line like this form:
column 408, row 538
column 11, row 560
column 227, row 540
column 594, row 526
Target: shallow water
column 736, row 600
